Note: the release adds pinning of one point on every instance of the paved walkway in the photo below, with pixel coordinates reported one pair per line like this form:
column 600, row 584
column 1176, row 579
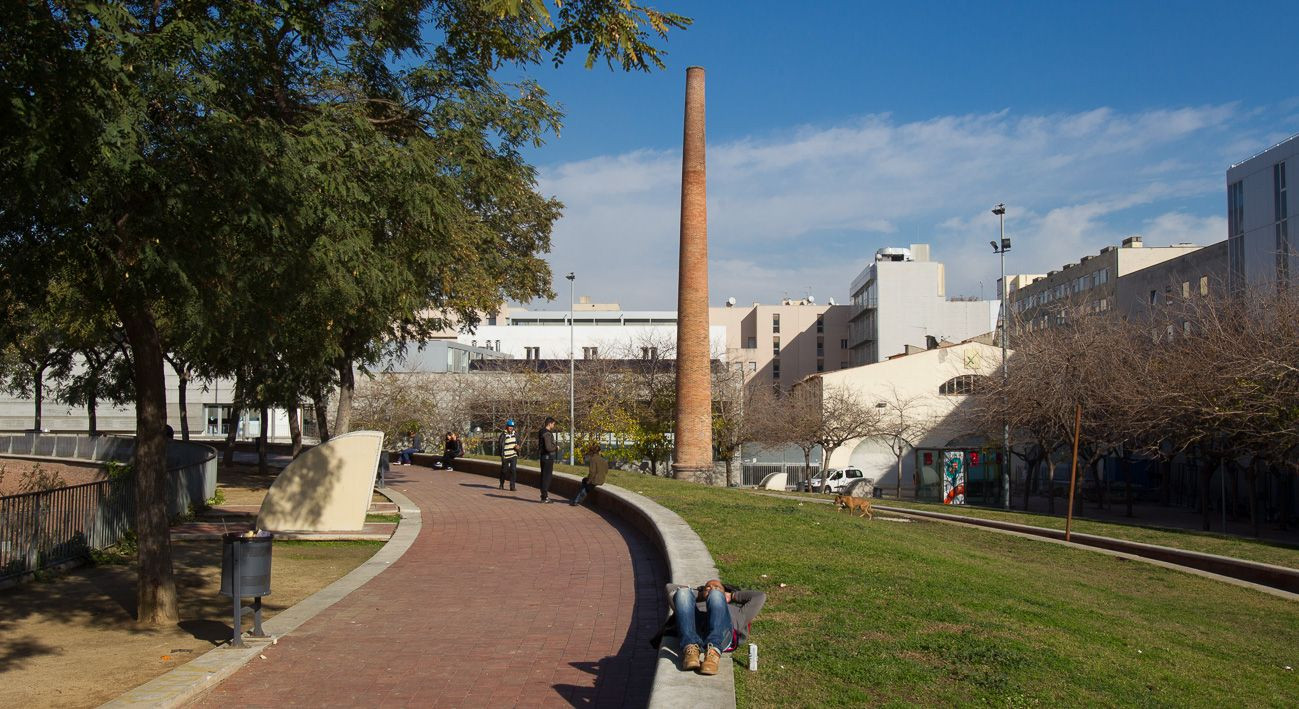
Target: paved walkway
column 501, row 601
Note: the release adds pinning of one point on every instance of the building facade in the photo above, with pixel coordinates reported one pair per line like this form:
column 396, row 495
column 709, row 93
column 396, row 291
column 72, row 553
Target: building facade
column 900, row 300
column 1091, row 284
column 1260, row 247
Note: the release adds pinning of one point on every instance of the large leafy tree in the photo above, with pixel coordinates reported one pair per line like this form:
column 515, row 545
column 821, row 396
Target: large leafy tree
column 307, row 180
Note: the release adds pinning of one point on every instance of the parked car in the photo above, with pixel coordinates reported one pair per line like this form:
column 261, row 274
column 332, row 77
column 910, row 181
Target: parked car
column 839, row 479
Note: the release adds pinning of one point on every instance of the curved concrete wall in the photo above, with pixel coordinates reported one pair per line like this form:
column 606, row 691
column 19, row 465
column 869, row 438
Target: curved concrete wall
column 688, row 561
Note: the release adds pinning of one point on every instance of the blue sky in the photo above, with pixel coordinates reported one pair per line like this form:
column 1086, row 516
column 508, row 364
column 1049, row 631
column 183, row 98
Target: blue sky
column 836, row 128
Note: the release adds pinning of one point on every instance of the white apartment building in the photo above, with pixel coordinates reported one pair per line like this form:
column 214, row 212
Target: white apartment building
column 900, row 301
column 775, row 344
column 1259, row 204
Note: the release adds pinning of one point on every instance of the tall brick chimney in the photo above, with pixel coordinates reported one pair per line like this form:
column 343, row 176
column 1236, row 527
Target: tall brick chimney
column 693, row 454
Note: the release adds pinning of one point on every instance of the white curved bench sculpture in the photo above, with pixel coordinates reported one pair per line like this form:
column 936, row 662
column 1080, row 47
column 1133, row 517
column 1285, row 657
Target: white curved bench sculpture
column 775, row 481
column 327, row 488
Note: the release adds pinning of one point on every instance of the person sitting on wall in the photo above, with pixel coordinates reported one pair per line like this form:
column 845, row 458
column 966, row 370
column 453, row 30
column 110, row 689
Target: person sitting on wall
column 451, row 450
column 597, row 469
column 710, row 619
column 416, row 445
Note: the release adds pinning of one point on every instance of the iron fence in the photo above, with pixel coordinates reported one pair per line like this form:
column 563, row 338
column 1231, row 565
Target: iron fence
column 42, row 529
column 753, row 473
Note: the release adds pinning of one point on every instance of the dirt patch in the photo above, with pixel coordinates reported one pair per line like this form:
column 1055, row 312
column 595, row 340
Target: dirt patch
column 15, row 473
column 71, row 641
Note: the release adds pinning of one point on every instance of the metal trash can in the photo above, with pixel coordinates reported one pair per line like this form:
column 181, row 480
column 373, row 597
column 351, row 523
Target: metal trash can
column 246, row 572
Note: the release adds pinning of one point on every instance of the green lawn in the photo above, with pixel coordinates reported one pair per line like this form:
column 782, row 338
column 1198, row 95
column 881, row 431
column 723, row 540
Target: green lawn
column 1207, row 542
column 925, row 613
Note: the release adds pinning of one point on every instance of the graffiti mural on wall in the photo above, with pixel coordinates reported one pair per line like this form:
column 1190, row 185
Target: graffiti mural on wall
column 953, row 478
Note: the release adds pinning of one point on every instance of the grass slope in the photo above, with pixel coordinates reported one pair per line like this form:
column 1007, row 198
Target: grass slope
column 891, row 613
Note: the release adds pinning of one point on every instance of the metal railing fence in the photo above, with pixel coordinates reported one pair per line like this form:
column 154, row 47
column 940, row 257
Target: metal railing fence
column 42, row 529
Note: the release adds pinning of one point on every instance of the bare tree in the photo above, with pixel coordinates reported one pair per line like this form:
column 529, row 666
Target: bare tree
column 844, row 417
column 902, row 420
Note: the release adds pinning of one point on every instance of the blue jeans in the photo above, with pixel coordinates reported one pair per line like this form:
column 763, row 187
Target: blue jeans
column 404, row 455
column 715, row 621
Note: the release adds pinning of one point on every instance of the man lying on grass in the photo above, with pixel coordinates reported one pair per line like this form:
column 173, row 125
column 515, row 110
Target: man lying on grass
column 721, row 613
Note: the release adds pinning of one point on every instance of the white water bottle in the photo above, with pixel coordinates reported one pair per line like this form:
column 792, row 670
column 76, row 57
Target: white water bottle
column 753, row 657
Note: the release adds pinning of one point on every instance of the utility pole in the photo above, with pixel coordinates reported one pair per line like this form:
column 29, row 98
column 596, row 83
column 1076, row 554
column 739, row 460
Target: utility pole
column 1001, row 249
column 572, row 440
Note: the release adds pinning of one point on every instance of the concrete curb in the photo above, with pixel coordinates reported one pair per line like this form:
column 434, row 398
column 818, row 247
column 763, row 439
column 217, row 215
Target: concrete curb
column 688, row 560
column 184, row 683
column 1237, row 571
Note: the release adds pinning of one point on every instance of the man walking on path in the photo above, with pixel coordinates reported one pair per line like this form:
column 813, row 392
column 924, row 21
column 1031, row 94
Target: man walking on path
column 546, row 445
column 597, row 470
column 508, row 444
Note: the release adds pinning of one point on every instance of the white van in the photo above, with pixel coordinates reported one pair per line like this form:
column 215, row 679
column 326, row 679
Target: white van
column 839, row 479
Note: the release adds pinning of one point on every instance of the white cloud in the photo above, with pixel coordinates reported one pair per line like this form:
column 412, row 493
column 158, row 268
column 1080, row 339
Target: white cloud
column 808, row 207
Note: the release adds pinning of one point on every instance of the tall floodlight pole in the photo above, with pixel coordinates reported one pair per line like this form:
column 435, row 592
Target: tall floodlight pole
column 572, row 441
column 1000, row 211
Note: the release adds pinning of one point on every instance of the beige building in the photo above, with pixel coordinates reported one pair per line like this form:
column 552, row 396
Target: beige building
column 781, row 344
column 1091, row 283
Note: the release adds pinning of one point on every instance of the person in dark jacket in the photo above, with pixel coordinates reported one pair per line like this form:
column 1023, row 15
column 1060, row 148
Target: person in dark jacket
column 719, row 613
column 548, row 449
column 597, row 469
column 508, row 444
column 451, row 450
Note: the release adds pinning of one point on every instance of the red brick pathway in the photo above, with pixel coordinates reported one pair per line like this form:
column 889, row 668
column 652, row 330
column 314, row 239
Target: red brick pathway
column 501, row 601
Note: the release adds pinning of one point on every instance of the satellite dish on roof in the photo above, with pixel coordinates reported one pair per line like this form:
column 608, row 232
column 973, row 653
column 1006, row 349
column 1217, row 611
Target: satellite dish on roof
column 830, row 302
column 730, row 302
column 810, row 299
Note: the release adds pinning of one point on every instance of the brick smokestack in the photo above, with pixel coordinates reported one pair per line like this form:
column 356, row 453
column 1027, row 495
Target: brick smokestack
column 693, row 455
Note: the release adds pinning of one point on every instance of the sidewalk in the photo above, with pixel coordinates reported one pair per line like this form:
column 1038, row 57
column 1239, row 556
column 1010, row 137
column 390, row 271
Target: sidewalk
column 501, row 601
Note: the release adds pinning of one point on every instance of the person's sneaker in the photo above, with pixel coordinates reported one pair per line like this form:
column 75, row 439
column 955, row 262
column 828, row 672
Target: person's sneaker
column 546, row 501
column 690, row 658
column 711, row 661
column 512, row 488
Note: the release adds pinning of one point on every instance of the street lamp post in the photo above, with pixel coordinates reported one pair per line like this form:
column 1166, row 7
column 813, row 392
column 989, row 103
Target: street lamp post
column 572, row 441
column 1000, row 211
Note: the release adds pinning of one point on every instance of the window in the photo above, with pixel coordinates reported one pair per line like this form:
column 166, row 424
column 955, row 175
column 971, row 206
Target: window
column 775, row 369
column 820, row 346
column 820, row 324
column 843, row 364
column 775, row 345
column 775, row 322
column 649, row 353
column 750, row 343
column 963, row 384
column 1204, row 285
column 1154, row 297
column 473, row 343
column 753, row 366
column 820, row 364
column 843, row 344
column 590, row 353
column 1236, row 234
column 1186, row 289
column 1186, row 327
column 532, row 353
column 1282, row 227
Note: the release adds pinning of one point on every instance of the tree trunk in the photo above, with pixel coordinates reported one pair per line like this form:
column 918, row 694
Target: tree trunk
column 346, row 387
column 1029, row 467
column 181, row 386
column 263, row 442
column 38, row 395
column 156, row 593
column 729, row 479
column 1166, row 480
column 825, row 462
column 319, row 405
column 236, row 412
column 295, row 428
column 898, row 459
column 92, row 404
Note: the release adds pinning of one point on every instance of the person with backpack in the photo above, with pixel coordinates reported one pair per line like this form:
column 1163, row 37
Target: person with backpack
column 508, row 444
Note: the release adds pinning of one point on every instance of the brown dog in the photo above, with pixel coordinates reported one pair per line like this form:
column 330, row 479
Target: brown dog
column 844, row 502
